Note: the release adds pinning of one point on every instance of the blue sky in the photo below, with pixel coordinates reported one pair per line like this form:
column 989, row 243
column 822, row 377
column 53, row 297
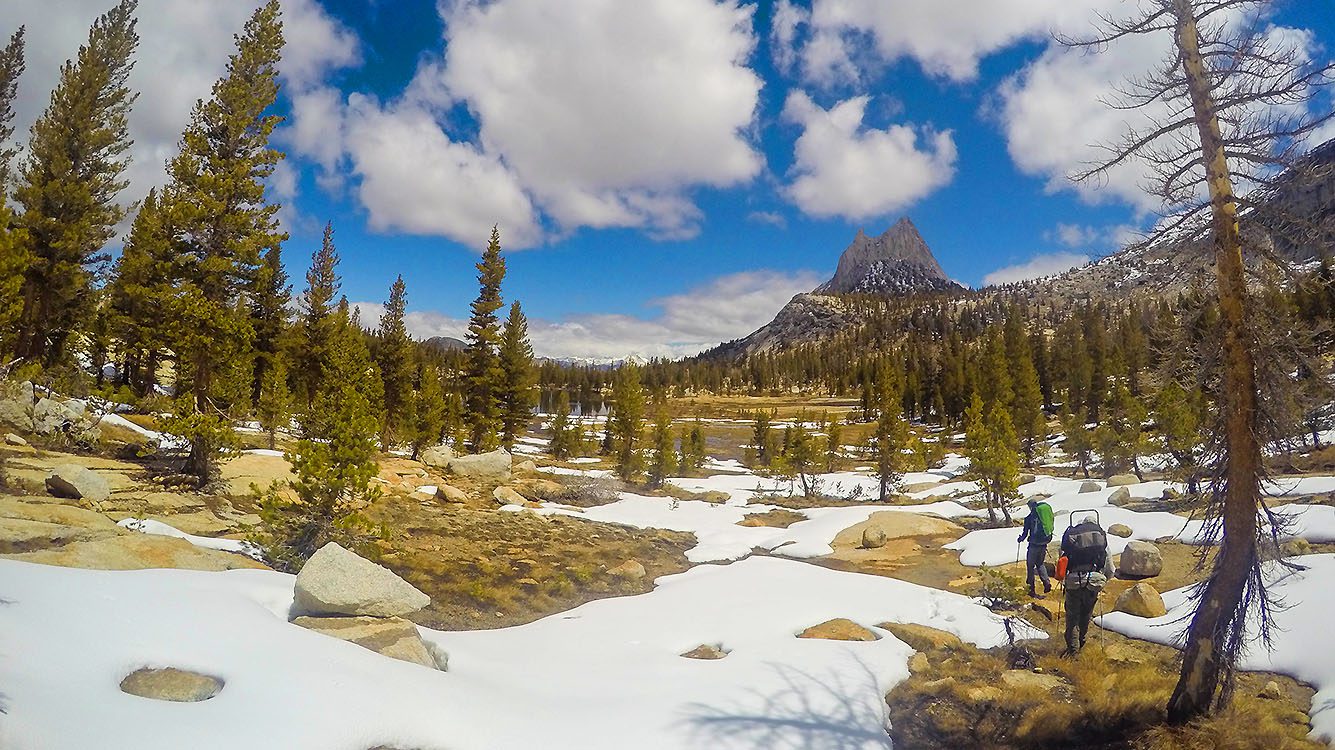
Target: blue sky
column 666, row 173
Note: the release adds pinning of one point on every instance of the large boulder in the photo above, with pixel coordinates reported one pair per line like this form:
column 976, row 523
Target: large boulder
column 77, row 483
column 1119, row 496
column 707, row 651
column 1122, row 480
column 171, row 684
column 394, row 637
column 507, row 496
column 839, row 629
column 16, row 414
column 338, row 582
column 1140, row 560
column 488, row 467
column 1120, row 529
column 631, row 570
column 1141, row 600
column 873, row 537
column 15, row 440
column 438, row 456
column 50, row 416
column 1090, row 486
column 451, row 494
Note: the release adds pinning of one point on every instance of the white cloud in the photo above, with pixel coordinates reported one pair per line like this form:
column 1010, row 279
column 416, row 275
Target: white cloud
column 773, row 218
column 1036, row 267
column 843, row 168
column 945, row 41
column 608, row 112
column 183, row 50
column 786, row 21
column 415, row 179
column 723, row 309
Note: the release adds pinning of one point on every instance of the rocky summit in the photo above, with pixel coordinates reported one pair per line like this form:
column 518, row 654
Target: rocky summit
column 897, row 263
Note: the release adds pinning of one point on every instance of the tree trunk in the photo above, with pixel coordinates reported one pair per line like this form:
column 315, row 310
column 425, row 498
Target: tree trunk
column 1205, row 662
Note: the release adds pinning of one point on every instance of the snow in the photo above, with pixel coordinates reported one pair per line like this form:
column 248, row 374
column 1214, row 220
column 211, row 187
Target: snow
column 149, row 526
column 584, row 460
column 1299, row 627
column 604, row 675
column 430, row 490
column 162, row 439
column 264, row 452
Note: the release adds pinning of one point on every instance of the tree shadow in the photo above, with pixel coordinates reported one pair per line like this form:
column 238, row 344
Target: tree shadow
column 842, row 709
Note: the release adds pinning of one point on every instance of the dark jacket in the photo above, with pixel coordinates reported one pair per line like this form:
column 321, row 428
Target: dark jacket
column 1085, row 547
column 1033, row 530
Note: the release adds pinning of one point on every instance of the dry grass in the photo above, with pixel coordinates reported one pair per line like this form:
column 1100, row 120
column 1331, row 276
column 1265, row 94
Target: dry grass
column 778, row 519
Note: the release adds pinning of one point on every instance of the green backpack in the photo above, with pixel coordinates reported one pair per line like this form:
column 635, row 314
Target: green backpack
column 1045, row 519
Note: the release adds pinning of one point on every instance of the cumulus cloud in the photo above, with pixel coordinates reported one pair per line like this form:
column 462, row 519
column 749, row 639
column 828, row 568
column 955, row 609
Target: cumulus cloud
column 843, row 168
column 183, row 49
column 1035, row 268
column 946, row 42
column 785, row 23
column 723, row 309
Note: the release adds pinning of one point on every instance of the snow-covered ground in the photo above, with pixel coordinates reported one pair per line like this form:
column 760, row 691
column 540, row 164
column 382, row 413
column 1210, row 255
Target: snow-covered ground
column 1302, row 633
column 149, row 526
column 605, row 675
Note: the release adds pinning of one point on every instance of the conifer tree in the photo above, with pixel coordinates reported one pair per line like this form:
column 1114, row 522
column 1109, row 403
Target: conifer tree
column 890, row 440
column 801, row 457
column 664, row 461
column 517, row 393
column 1177, row 424
column 833, row 443
column 218, row 192
column 989, row 443
column 693, row 450
column 14, row 258
column 762, row 439
column 1027, row 404
column 564, row 438
column 456, row 429
column 627, row 422
column 143, row 278
column 269, row 301
column 1079, row 443
column 395, row 356
column 333, row 462
column 274, row 409
column 316, row 325
column 11, row 67
column 484, row 376
column 68, row 184
column 427, row 411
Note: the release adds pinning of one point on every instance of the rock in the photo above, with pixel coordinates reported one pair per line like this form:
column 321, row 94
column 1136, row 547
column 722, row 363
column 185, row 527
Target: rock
column 921, row 637
column 337, row 582
column 56, row 513
column 1140, row 560
column 438, row 456
column 1125, row 652
column 1025, row 478
column 545, row 489
column 1141, row 600
column 50, row 416
column 1120, row 496
column 839, row 629
column 1120, row 529
column 1090, row 486
column 706, row 651
column 1272, row 691
column 983, row 694
column 21, row 535
column 507, row 496
column 918, row 663
column 938, row 686
column 1016, row 679
column 171, row 684
column 489, row 467
column 134, row 551
column 77, row 483
column 630, row 570
column 12, row 439
column 1294, row 547
column 526, row 465
column 1169, row 494
column 1122, row 480
column 873, row 538
column 451, row 494
column 394, row 637
column 16, row 414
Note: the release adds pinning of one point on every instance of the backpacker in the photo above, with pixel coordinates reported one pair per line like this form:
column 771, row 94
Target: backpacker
column 1044, row 512
column 1085, row 548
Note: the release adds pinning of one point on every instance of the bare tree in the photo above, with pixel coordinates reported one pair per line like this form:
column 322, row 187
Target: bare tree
column 1228, row 124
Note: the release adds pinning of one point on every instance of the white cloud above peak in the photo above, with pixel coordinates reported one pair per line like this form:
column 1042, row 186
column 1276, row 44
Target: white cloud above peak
column 844, row 168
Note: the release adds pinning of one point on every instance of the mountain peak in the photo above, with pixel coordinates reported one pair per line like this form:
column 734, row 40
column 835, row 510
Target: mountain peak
column 898, row 262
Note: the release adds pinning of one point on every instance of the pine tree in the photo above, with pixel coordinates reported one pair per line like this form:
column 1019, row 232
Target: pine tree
column 274, row 409
column 316, row 325
column 627, row 422
column 664, row 457
column 517, row 392
column 801, row 457
column 762, row 439
column 143, row 278
column 1079, row 443
column 333, row 462
column 427, row 411
column 14, row 258
column 833, row 443
column 1027, row 404
column 268, row 317
column 564, row 442
column 484, row 376
column 11, row 67
column 68, row 184
column 218, row 192
column 693, row 451
column 890, row 440
column 989, row 443
column 395, row 356
column 1177, row 424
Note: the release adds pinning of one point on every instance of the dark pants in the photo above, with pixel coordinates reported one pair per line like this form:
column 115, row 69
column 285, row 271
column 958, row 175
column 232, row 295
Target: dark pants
column 1079, row 609
column 1037, row 560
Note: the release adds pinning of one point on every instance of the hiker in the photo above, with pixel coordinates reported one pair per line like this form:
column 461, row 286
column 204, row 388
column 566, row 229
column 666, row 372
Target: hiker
column 1085, row 547
column 1038, row 530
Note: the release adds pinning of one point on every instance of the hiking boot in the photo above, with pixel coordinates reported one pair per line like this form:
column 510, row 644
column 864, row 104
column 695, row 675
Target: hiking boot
column 1047, row 587
column 1032, row 592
